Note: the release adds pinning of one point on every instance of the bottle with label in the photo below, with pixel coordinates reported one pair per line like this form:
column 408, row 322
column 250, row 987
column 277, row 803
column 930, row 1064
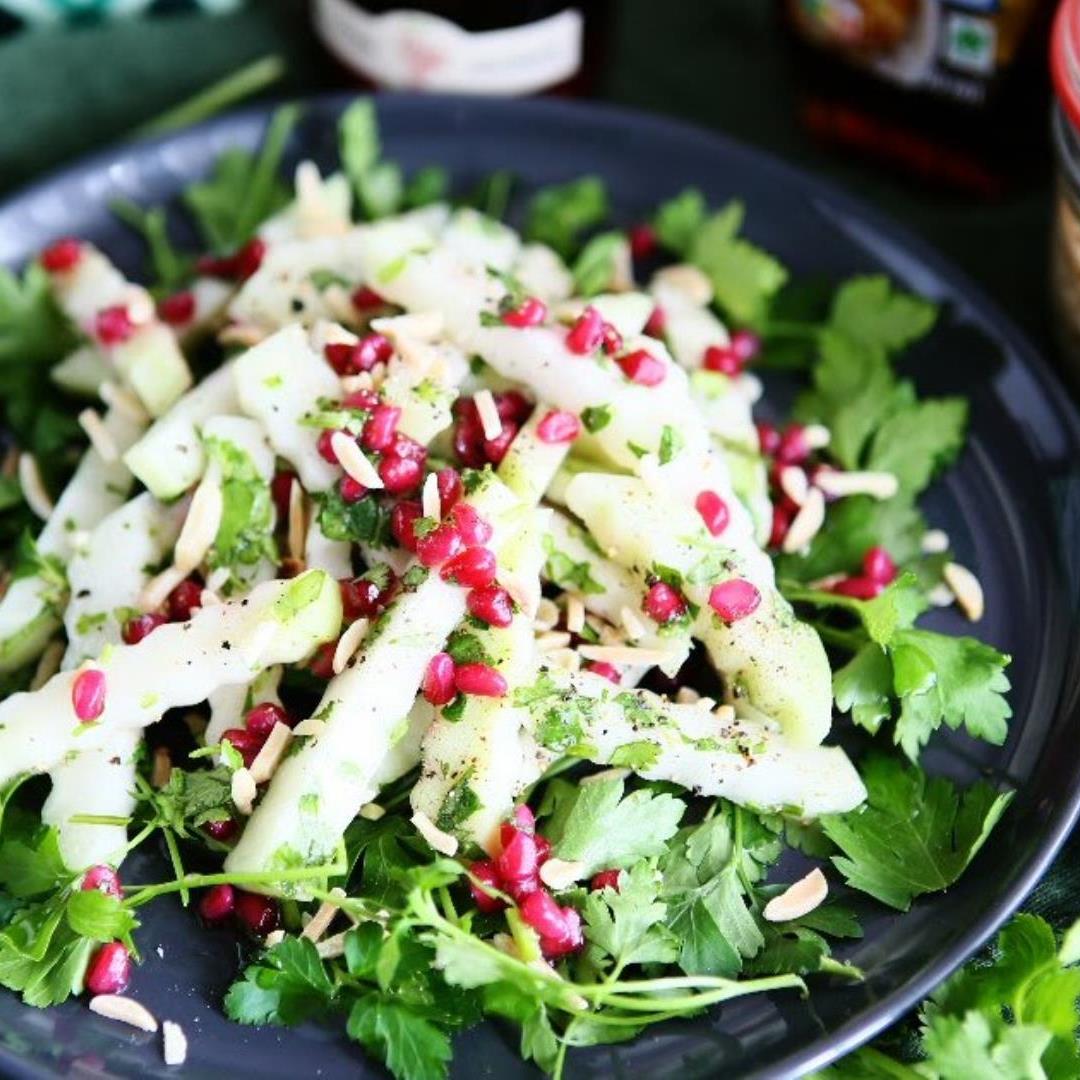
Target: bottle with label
column 951, row 90
column 512, row 47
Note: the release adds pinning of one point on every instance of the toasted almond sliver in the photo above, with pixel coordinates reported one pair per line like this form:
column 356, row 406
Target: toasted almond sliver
column 686, row 695
column 547, row 615
column 935, row 542
column 807, row 523
column 552, row 640
column 123, row 401
column 442, row 842
column 174, row 1044
column 524, row 590
column 632, row 624
column 561, row 873
column 140, row 307
column 297, row 521
column 612, row 635
column 241, row 334
column 689, row 280
column 419, row 325
column 310, row 727
column 351, row 458
column 966, row 588
column 372, row 811
column 348, row 643
column 816, row 436
column 271, row 752
column 564, row 659
column 161, row 770
column 275, row 937
column 430, row 501
column 243, row 791
column 725, row 714
column 575, row 613
column 794, row 483
column 48, row 665
column 126, row 1010
column 33, row 487
column 881, row 485
column 325, row 332
column 332, row 947
column 798, row 899
column 156, row 590
column 202, row 522
column 98, row 434
column 490, row 420
column 624, row 654
column 321, row 920
column 208, row 598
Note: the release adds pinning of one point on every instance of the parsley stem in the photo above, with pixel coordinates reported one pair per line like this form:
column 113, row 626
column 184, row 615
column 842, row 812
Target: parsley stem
column 99, row 819
column 690, row 1002
column 177, row 864
column 142, row 894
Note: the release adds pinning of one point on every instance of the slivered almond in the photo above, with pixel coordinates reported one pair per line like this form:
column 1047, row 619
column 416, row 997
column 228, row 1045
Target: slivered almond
column 564, row 659
column 632, row 624
column 430, row 501
column 140, row 307
column 321, row 920
column 372, row 811
column 48, row 665
column 934, row 542
column 807, row 523
column 553, row 639
column 575, row 613
column 440, row 841
column 208, row 598
column 310, row 727
column 297, row 521
column 351, row 383
column 271, row 752
column 816, row 436
column 688, row 280
column 524, row 590
column 126, row 1010
column 202, row 522
column 547, row 615
column 826, row 583
column 156, row 591
column 174, row 1044
column 490, row 420
column 98, row 434
column 275, row 937
column 242, row 789
column 624, row 654
column 348, row 643
column 880, row 485
column 794, row 484
column 351, row 458
column 560, row 874
column 332, row 947
column 419, row 325
column 241, row 334
column 123, row 401
column 338, row 303
column 33, row 487
column 161, row 770
column 725, row 714
column 686, row 695
column 941, row 595
column 325, row 332
column 750, row 387
column 799, row 899
column 967, row 589
column 611, row 635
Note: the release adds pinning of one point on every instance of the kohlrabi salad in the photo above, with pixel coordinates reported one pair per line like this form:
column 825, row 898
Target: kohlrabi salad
column 440, row 599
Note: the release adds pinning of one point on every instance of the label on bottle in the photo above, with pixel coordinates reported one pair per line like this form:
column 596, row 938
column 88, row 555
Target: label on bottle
column 417, row 50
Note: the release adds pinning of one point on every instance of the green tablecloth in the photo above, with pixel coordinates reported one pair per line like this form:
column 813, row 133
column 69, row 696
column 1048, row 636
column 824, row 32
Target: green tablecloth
column 64, row 93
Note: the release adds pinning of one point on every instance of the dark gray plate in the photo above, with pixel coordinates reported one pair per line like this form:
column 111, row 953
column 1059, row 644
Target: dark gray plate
column 1011, row 507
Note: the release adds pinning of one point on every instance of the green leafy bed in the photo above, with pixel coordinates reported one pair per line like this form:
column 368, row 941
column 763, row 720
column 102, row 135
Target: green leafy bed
column 685, row 929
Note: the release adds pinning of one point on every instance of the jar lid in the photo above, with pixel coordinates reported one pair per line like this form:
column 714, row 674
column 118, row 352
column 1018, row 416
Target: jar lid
column 1065, row 58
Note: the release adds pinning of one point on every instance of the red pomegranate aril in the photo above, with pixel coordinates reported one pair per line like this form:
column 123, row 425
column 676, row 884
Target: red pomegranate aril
column 768, row 437
column 472, row 528
column 438, row 685
column 365, row 598
column 400, row 476
column 723, row 359
column 530, row 312
column 442, row 543
column 782, row 516
column 62, row 256
column 734, row 600
column 517, row 861
column 486, row 871
column 469, row 445
column 351, row 491
column 339, row 355
column 262, row 718
column 404, row 447
column 378, row 432
column 612, row 342
column 185, row 599
column 361, row 399
column 102, row 879
column 217, row 903
column 793, row 448
column 877, row 565
column 663, row 603
column 606, row 879
column 449, row 484
column 510, row 405
column 746, row 345
column 178, row 309
column 642, row 239
column 260, row 915
column 643, row 368
column 371, row 350
column 542, row 912
column 543, row 849
column 491, row 604
column 109, row 971
column 221, row 831
column 495, row 449
column 88, row 694
column 558, row 427
column 859, row 588
column 714, row 512
column 321, row 665
column 141, row 626
column 523, row 818
column 113, row 325
column 325, row 445
column 604, row 670
column 474, row 568
column 249, row 258
column 587, row 333
column 246, row 743
column 656, row 323
column 403, row 520
column 365, row 298
column 281, row 492
column 570, row 940
column 479, row 680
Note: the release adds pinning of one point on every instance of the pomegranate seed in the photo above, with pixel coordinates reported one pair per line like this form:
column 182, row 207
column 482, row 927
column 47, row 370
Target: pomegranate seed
column 510, row 405
column 113, row 325
column 472, row 528
column 612, row 340
column 517, row 862
column 713, row 510
column 350, row 490
column 88, row 694
column 217, row 903
column 260, row 915
column 793, row 448
column 450, row 488
column 859, row 588
column 140, row 626
column 222, row 831
column 400, row 475
column 495, row 449
column 877, row 565
column 184, row 600
column 746, row 345
column 488, row 873
column 407, row 448
column 782, row 517
column 491, row 604
column 178, row 309
column 642, row 239
column 261, row 719
column 325, row 445
column 530, row 312
column 474, row 568
column 643, row 368
column 587, row 333
column 360, row 399
column 543, row 849
column 340, row 356
column 523, row 818
column 606, row 879
column 371, row 350
column 321, row 665
column 541, row 911
column 102, row 879
column 480, row 680
column 663, row 603
column 734, row 600
column 558, row 427
column 110, row 969
column 281, row 491
column 438, row 686
column 723, row 359
column 364, row 298
column 402, row 523
column 442, row 543
column 249, row 258
column 365, row 598
column 768, row 438
column 62, row 256
column 604, row 670
column 656, row 323
column 570, row 940
column 469, row 445
column 378, row 432
column 246, row 743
